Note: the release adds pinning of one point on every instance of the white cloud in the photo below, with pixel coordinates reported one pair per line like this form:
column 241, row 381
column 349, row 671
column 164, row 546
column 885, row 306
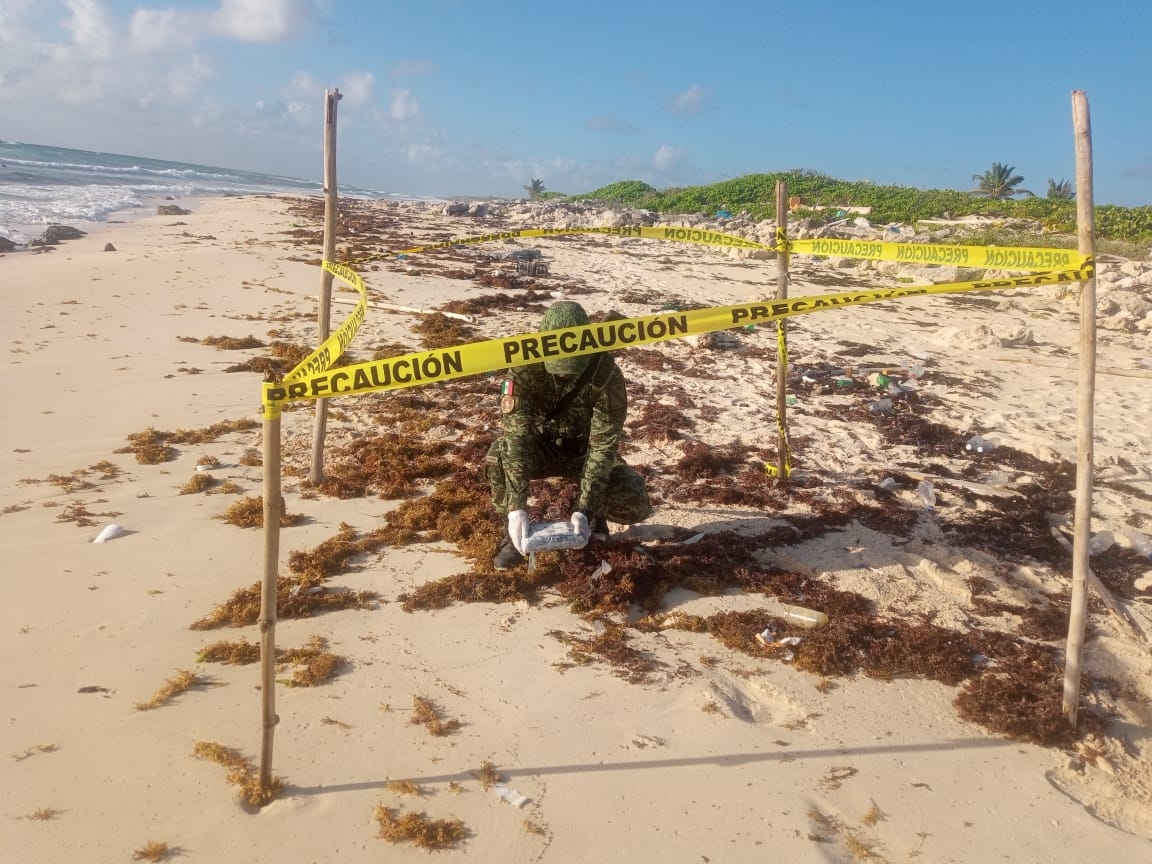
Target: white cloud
column 422, row 154
column 92, row 32
column 404, row 108
column 691, row 101
column 357, row 88
column 260, row 20
column 667, row 157
column 157, row 30
column 185, row 79
column 303, row 85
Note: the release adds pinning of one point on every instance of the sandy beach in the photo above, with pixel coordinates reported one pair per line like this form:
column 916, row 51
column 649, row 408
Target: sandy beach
column 562, row 716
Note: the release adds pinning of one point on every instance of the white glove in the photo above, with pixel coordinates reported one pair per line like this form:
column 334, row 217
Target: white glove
column 518, row 528
column 580, row 525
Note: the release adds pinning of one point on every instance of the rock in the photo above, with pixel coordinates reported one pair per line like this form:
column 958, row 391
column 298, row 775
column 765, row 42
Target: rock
column 928, row 274
column 478, row 210
column 1016, row 336
column 108, row 247
column 1105, row 306
column 1123, row 321
column 456, row 210
column 171, row 210
column 839, row 261
column 53, row 234
column 982, row 336
column 1130, row 301
column 715, row 340
column 6, row 245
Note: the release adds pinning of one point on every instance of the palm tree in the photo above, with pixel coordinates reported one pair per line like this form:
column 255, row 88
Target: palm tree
column 1062, row 190
column 535, row 189
column 999, row 182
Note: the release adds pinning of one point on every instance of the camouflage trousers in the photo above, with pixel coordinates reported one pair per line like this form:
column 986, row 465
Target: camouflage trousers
column 625, row 495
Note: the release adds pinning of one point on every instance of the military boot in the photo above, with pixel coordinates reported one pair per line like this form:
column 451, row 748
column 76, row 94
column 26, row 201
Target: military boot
column 599, row 526
column 506, row 557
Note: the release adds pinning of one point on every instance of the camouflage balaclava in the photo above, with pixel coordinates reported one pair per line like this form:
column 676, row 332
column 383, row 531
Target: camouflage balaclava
column 565, row 313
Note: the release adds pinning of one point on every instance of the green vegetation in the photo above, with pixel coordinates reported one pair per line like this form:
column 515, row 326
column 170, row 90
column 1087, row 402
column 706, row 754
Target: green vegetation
column 1062, row 190
column 999, row 182
column 755, row 194
column 534, row 189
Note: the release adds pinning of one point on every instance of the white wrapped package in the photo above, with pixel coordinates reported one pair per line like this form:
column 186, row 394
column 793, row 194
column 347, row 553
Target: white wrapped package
column 548, row 536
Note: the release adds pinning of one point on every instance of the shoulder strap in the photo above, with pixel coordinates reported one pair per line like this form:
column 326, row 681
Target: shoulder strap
column 587, row 375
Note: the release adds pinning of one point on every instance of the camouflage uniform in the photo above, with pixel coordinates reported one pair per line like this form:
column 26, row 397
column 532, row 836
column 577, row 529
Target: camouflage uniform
column 580, row 443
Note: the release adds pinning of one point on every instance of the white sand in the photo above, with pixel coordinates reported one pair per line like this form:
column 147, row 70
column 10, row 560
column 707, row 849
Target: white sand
column 734, row 760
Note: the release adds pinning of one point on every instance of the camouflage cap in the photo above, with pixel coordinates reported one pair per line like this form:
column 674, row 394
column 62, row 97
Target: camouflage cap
column 565, row 313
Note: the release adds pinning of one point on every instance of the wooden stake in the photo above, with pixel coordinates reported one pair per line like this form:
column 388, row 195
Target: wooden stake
column 273, row 507
column 331, row 202
column 783, row 457
column 1082, row 527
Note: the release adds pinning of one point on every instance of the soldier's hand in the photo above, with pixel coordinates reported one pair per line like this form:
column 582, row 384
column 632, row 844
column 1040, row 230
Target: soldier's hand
column 518, row 528
column 580, row 525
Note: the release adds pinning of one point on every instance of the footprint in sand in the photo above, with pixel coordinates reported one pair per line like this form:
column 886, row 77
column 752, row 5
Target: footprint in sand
column 754, row 701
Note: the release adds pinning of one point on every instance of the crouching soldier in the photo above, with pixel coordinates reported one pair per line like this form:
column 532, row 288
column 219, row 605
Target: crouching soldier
column 564, row 418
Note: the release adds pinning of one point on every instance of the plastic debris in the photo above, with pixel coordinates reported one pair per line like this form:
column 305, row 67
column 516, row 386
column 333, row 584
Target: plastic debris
column 547, row 536
column 979, row 444
column 804, row 617
column 1101, row 542
column 110, row 532
column 880, row 406
column 927, row 494
column 1141, row 545
column 510, row 795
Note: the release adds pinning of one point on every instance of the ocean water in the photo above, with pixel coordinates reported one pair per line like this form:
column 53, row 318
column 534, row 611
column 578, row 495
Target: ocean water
column 42, row 185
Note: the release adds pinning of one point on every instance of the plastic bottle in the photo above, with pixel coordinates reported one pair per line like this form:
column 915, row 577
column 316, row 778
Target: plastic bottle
column 927, row 495
column 804, row 617
column 1100, row 542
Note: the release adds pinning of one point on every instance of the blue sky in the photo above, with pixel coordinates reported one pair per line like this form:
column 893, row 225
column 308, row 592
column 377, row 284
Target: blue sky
column 463, row 97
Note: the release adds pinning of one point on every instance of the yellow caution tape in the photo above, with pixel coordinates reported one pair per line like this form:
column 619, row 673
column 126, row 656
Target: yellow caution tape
column 987, row 257
column 335, row 345
column 682, row 235
column 426, row 367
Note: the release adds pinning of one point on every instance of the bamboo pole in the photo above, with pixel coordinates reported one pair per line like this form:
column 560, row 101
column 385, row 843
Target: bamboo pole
column 273, row 505
column 783, row 457
column 319, row 428
column 1082, row 527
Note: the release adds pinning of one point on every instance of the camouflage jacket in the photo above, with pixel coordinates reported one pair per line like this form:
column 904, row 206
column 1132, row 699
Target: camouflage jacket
column 592, row 422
